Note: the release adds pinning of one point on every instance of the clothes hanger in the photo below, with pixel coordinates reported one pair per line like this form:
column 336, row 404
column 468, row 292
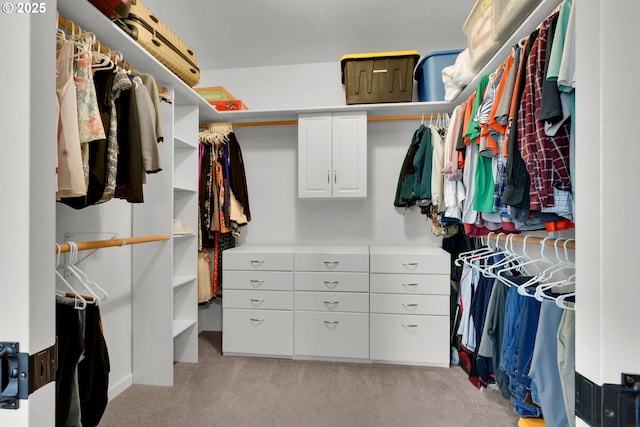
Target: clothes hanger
column 510, row 257
column 89, row 284
column 73, row 257
column 464, row 256
column 79, row 302
column 561, row 301
column 522, row 268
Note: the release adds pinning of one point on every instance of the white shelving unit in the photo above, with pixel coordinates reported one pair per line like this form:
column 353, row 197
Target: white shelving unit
column 164, row 279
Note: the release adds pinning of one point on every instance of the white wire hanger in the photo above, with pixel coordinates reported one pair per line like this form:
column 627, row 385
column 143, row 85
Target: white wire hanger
column 79, row 302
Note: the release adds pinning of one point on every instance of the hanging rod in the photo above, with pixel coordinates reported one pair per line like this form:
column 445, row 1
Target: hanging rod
column 99, row 244
column 548, row 241
column 295, row 121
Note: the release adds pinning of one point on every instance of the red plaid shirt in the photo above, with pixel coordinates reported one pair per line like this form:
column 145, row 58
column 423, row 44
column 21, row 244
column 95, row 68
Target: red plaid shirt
column 546, row 158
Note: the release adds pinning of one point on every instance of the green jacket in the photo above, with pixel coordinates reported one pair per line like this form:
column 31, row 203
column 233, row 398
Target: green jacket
column 414, row 182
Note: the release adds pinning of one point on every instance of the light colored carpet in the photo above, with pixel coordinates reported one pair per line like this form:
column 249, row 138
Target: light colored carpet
column 245, row 392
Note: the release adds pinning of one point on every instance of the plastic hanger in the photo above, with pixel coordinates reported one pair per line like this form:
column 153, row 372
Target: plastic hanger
column 522, row 268
column 79, row 302
column 463, row 257
column 83, row 279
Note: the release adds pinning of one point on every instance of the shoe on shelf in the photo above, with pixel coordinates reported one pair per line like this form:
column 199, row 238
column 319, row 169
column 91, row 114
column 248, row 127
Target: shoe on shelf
column 179, row 228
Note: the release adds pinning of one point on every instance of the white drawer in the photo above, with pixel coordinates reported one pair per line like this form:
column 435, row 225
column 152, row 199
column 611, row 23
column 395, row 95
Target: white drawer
column 332, row 335
column 257, row 280
column 437, row 305
column 263, row 300
column 308, row 260
column 332, row 301
column 338, row 282
column 439, row 284
column 258, row 332
column 410, row 260
column 244, row 258
column 412, row 340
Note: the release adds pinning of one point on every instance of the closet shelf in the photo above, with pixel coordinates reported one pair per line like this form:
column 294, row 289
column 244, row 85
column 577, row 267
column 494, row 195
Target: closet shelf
column 180, row 281
column 182, row 144
column 180, row 326
column 373, row 110
column 86, row 15
column 184, row 189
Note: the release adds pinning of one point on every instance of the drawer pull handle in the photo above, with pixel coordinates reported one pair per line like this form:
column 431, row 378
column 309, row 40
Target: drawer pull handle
column 409, row 305
column 331, row 322
column 409, row 325
column 409, row 284
column 256, row 283
column 256, row 262
column 254, row 319
column 410, row 265
column 256, row 301
column 331, row 302
column 331, row 264
column 331, row 284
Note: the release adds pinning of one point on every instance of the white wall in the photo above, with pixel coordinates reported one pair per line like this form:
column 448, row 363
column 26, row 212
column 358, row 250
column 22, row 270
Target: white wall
column 279, row 217
column 283, row 87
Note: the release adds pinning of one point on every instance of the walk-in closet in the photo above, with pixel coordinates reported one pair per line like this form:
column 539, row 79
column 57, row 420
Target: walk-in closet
column 233, row 234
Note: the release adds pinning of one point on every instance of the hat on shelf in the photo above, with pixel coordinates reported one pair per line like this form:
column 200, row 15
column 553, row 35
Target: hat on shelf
column 180, row 228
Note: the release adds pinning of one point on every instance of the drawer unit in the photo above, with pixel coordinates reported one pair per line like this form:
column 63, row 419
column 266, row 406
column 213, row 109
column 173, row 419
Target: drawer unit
column 409, row 260
column 251, row 258
column 438, row 284
column 410, row 339
column 334, row 336
column 336, row 282
column 332, row 301
column 264, row 300
column 257, row 305
column 409, row 306
column 258, row 280
column 327, row 259
column 257, row 332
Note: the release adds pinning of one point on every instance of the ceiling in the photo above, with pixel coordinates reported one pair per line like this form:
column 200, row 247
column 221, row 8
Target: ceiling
column 250, row 33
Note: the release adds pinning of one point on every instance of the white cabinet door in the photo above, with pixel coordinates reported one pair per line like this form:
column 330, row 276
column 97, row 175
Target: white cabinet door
column 314, row 156
column 350, row 154
column 332, row 155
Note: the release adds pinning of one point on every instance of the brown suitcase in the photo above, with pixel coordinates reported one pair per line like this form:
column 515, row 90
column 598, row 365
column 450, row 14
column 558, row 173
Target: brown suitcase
column 113, row 9
column 161, row 42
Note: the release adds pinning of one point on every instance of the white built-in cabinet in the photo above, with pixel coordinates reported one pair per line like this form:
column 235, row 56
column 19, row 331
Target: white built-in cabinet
column 350, row 303
column 257, row 308
column 410, row 290
column 164, row 276
column 332, row 303
column 332, row 155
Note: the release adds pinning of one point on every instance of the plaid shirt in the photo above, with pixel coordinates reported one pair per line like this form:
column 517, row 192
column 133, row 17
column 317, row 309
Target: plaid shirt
column 546, row 157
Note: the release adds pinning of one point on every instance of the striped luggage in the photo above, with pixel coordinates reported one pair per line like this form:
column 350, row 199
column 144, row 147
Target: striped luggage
column 161, row 42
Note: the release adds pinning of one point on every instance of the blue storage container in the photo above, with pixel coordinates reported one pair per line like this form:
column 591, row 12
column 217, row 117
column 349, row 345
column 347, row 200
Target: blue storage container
column 428, row 73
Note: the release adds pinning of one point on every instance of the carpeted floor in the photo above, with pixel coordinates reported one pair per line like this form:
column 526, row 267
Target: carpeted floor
column 245, row 392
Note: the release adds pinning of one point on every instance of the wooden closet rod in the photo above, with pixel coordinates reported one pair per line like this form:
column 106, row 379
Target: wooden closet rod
column 99, row 244
column 571, row 243
column 369, row 119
